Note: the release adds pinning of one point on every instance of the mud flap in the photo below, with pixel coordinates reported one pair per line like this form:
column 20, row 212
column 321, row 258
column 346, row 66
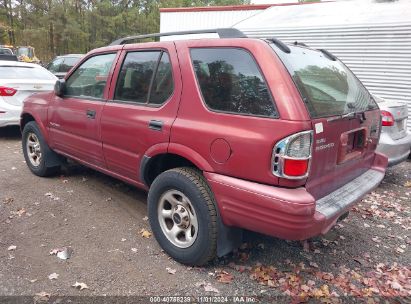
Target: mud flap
column 228, row 239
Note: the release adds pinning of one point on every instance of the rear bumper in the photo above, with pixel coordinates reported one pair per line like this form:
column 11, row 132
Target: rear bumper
column 396, row 150
column 291, row 214
column 11, row 117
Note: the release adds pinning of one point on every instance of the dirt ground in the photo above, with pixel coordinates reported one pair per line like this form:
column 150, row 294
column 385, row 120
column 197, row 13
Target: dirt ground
column 365, row 257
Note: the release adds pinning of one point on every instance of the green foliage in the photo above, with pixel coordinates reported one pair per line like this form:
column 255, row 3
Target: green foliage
column 57, row 27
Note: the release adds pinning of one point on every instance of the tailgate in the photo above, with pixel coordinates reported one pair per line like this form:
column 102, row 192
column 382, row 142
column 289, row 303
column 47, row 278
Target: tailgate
column 343, row 148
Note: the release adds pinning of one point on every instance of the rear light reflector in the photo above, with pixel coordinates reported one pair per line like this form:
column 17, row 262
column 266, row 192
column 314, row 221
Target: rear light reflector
column 291, row 156
column 295, row 167
column 387, row 119
column 5, row 91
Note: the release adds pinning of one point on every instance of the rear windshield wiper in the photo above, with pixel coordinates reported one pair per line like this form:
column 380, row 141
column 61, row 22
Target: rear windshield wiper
column 354, row 114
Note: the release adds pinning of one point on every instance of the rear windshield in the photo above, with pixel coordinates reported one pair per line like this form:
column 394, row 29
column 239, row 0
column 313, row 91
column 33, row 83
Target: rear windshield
column 16, row 72
column 6, row 52
column 327, row 87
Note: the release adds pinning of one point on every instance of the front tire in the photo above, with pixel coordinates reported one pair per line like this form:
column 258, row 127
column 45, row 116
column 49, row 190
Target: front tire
column 40, row 159
column 183, row 216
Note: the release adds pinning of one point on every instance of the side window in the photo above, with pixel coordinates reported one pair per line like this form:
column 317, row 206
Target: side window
column 142, row 71
column 54, row 66
column 162, row 87
column 89, row 79
column 230, row 81
column 134, row 80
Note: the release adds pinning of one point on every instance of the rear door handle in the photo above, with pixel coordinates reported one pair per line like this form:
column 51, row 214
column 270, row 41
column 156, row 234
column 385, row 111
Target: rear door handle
column 91, row 114
column 155, row 125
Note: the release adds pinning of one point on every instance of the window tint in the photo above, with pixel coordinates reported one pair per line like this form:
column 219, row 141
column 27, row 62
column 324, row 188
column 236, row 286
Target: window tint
column 162, row 87
column 230, row 81
column 89, row 79
column 327, row 87
column 135, row 76
column 68, row 63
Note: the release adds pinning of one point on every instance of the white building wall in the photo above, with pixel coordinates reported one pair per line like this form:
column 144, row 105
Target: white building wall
column 183, row 21
column 372, row 39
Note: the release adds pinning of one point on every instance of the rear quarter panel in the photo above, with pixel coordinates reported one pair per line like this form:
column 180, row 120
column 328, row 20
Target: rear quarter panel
column 247, row 141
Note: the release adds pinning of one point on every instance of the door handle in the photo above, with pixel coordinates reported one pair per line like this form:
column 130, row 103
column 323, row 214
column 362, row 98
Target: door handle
column 156, row 125
column 91, row 114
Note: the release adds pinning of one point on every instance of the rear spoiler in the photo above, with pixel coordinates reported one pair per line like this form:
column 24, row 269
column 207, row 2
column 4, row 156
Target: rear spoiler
column 8, row 57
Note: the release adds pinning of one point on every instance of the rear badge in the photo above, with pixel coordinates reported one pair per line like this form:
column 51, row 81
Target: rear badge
column 319, row 128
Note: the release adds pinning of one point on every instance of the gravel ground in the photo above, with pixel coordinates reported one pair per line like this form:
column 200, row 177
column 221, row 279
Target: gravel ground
column 101, row 219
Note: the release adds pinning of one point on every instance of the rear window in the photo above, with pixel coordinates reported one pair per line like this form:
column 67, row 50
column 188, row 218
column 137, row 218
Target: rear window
column 230, row 81
column 327, row 87
column 6, row 52
column 24, row 72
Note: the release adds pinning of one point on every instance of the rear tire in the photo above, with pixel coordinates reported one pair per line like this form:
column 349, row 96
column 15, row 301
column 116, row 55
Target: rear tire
column 40, row 159
column 183, row 216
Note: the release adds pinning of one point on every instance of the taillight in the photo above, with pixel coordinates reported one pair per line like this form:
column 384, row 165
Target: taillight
column 387, row 119
column 5, row 91
column 291, row 156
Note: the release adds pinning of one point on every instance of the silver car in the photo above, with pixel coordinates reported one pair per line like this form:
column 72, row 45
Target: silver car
column 395, row 141
column 19, row 80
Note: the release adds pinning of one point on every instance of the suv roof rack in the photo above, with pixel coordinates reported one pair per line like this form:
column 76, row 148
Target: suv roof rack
column 328, row 54
column 222, row 33
column 281, row 45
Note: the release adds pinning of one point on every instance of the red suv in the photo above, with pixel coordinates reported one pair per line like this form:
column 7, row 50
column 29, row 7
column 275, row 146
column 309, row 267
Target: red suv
column 225, row 134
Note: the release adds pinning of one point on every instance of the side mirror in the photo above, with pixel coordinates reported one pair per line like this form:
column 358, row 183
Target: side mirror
column 60, row 87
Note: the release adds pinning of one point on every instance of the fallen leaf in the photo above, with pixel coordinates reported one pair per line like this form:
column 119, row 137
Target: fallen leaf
column 305, row 288
column 407, row 184
column 209, row 287
column 81, row 286
column 145, row 233
column 396, row 285
column 21, row 211
column 145, row 218
column 43, row 296
column 12, row 247
column 53, row 276
column 62, row 253
column 33, row 281
column 313, row 264
column 171, row 271
column 224, row 277
column 134, row 249
column 376, row 239
column 399, row 250
column 123, row 239
column 8, row 200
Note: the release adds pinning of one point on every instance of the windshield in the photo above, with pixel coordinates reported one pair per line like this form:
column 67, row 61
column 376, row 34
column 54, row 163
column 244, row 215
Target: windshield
column 14, row 72
column 24, row 51
column 327, row 87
